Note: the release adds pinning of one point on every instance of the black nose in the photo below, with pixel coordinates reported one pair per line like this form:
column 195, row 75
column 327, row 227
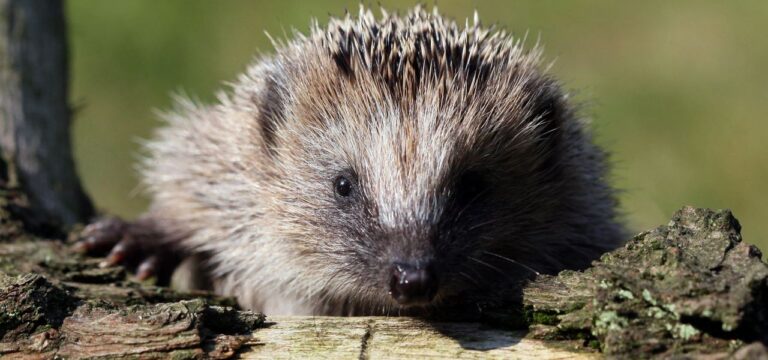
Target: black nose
column 413, row 284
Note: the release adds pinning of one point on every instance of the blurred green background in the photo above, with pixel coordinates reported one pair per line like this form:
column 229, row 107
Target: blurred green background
column 677, row 90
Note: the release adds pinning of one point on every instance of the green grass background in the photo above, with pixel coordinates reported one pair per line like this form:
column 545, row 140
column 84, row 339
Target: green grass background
column 677, row 90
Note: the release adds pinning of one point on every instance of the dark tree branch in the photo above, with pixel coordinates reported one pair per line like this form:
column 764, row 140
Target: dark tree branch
column 35, row 127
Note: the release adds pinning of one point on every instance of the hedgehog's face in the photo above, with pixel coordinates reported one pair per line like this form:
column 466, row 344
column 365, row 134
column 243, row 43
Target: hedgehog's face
column 395, row 207
column 403, row 187
column 410, row 217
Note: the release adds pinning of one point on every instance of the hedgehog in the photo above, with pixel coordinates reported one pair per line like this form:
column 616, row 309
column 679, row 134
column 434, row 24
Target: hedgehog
column 382, row 165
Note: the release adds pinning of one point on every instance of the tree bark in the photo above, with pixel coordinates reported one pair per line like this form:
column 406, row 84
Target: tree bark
column 35, row 127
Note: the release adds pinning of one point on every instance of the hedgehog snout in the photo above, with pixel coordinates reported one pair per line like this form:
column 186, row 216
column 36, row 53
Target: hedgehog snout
column 413, row 284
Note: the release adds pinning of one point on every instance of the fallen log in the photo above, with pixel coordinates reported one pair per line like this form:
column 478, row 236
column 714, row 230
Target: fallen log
column 691, row 287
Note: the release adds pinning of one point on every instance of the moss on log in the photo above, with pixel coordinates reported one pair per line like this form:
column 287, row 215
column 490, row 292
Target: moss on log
column 690, row 288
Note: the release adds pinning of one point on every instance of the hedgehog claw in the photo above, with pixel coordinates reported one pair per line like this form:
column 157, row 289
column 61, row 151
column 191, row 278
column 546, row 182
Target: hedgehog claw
column 133, row 245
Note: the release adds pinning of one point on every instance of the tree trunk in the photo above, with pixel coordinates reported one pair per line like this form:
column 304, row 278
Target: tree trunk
column 35, row 127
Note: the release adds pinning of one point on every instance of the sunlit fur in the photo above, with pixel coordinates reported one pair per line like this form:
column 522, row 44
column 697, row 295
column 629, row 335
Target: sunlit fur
column 409, row 107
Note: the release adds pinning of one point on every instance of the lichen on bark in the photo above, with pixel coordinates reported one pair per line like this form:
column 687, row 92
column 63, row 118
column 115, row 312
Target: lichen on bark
column 689, row 287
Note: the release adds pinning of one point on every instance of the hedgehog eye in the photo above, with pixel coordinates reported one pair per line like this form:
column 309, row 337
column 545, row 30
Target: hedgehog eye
column 342, row 186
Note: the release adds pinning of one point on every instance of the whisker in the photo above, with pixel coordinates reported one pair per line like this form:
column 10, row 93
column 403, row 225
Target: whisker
column 514, row 262
column 469, row 278
column 486, row 264
column 490, row 222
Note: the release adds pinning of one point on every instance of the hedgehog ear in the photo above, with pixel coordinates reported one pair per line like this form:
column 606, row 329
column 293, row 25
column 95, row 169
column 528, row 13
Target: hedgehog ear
column 271, row 108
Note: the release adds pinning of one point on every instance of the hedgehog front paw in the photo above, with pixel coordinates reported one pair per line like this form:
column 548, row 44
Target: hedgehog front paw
column 138, row 246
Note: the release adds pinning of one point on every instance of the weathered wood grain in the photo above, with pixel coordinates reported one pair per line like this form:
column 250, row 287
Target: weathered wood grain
column 397, row 338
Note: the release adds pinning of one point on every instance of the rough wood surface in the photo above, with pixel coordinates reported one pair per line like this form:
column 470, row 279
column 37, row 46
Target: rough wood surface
column 35, row 115
column 398, row 338
column 168, row 330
